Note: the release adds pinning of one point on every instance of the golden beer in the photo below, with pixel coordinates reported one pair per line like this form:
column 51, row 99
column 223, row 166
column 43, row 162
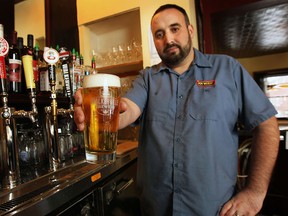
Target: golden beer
column 101, row 101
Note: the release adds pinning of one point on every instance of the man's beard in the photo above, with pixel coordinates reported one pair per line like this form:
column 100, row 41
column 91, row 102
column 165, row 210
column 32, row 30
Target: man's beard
column 173, row 59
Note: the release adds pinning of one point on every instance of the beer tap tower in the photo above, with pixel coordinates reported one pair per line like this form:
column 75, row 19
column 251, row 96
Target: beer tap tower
column 51, row 56
column 9, row 161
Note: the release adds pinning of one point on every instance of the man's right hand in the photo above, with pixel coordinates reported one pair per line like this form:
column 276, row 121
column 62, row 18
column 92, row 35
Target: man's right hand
column 129, row 112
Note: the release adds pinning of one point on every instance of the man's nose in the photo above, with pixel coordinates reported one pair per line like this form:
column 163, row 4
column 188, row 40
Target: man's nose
column 169, row 39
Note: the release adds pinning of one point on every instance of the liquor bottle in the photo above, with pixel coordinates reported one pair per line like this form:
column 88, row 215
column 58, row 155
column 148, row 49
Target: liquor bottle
column 20, row 45
column 15, row 66
column 93, row 66
column 76, row 72
column 36, row 59
column 82, row 67
column 30, row 47
column 4, row 48
column 30, row 42
column 27, row 61
column 43, row 76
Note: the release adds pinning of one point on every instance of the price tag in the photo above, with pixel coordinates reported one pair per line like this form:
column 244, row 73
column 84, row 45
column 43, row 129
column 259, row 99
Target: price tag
column 95, row 177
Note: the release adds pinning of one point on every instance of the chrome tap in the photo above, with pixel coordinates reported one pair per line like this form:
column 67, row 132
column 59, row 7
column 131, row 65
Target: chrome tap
column 9, row 163
column 9, row 160
column 32, row 114
column 9, row 149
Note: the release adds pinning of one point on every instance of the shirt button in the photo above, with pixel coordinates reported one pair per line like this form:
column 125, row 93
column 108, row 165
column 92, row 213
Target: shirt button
column 180, row 96
column 177, row 190
column 178, row 140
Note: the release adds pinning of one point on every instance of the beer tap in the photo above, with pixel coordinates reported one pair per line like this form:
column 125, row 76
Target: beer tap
column 31, row 87
column 9, row 163
column 27, row 60
column 51, row 56
column 64, row 59
column 67, row 113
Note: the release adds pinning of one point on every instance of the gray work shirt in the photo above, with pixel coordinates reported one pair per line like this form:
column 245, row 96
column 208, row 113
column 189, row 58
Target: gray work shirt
column 188, row 140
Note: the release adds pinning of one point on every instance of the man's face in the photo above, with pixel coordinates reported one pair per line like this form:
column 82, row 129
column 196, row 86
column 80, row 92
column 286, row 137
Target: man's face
column 172, row 37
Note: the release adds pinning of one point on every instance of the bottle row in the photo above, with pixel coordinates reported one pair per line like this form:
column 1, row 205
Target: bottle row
column 15, row 69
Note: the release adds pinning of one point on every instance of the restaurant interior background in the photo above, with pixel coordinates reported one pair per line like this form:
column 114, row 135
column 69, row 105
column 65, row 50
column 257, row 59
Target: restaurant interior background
column 253, row 31
column 247, row 16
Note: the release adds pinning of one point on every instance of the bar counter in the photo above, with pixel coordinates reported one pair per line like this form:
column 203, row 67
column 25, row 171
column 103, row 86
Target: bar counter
column 51, row 193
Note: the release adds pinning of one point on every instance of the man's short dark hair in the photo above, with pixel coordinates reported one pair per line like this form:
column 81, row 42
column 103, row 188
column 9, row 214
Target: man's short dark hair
column 174, row 6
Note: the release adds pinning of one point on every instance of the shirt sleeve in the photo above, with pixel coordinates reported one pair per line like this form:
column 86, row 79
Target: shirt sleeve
column 139, row 91
column 254, row 106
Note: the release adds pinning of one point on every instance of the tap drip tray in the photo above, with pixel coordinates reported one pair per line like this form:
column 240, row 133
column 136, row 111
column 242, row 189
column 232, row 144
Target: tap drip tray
column 26, row 198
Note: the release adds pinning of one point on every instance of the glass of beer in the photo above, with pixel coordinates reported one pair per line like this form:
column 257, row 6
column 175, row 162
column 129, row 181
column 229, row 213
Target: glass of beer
column 101, row 101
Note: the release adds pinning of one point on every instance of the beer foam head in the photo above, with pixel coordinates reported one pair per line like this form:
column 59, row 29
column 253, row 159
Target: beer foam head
column 97, row 80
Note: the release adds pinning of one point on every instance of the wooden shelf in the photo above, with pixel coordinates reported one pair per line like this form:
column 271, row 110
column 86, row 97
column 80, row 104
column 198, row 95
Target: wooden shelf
column 126, row 69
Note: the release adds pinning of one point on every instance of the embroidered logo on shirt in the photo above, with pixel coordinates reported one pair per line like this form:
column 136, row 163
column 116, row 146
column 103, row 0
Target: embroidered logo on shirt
column 205, row 83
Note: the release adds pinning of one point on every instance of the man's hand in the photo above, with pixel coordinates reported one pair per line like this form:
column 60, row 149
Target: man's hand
column 264, row 151
column 79, row 117
column 245, row 202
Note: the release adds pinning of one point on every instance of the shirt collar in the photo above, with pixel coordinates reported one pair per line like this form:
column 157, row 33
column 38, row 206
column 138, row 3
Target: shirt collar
column 200, row 60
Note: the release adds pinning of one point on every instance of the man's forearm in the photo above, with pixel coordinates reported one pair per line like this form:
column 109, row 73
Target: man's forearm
column 130, row 113
column 264, row 153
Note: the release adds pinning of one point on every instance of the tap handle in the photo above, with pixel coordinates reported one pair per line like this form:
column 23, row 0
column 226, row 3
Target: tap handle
column 3, row 76
column 64, row 59
column 52, row 75
column 27, row 61
column 4, row 48
column 51, row 56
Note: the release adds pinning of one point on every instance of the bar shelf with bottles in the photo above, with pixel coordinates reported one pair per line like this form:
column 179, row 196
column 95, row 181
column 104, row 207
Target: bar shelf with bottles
column 41, row 153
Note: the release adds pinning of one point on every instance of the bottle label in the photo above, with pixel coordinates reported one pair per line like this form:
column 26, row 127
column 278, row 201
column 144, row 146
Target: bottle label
column 28, row 71
column 59, row 80
column 35, row 70
column 44, row 80
column 77, row 72
column 15, row 70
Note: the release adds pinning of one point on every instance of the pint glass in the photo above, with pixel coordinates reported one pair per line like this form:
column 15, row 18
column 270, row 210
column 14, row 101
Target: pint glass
column 101, row 101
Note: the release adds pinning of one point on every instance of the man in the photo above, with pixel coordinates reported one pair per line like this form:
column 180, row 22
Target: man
column 189, row 106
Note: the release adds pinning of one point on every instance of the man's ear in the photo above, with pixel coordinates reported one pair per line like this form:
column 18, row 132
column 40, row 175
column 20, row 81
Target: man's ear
column 191, row 30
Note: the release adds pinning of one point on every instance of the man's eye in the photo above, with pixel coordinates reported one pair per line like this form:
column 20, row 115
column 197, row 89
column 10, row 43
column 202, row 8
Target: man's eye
column 159, row 35
column 174, row 29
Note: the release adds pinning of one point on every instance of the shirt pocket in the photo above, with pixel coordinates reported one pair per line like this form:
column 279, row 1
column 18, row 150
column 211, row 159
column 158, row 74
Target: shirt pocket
column 204, row 105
